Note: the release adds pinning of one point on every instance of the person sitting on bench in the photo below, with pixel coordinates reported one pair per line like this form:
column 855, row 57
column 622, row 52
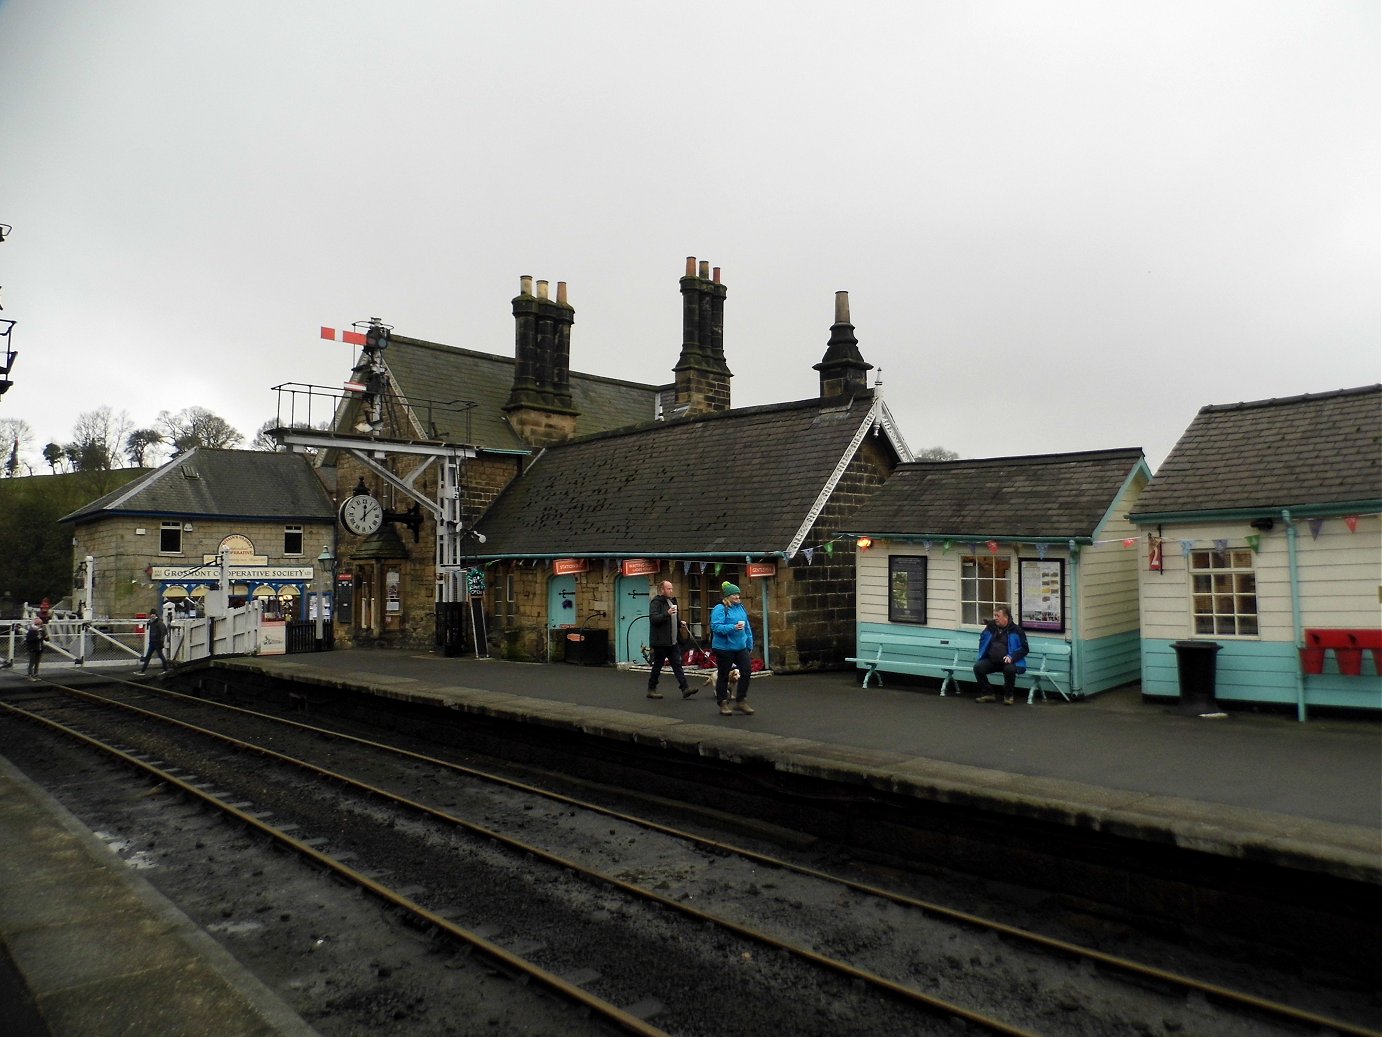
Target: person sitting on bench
column 1002, row 647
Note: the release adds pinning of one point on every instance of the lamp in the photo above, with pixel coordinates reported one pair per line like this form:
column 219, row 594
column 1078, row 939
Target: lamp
column 327, row 561
column 864, row 543
column 1262, row 524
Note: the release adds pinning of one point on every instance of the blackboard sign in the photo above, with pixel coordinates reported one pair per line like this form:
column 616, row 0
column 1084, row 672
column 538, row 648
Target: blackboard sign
column 907, row 589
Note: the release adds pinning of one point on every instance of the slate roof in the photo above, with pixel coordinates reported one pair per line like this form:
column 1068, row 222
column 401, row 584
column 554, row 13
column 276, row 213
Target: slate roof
column 1311, row 450
column 429, row 371
column 740, row 481
column 204, row 483
column 1047, row 495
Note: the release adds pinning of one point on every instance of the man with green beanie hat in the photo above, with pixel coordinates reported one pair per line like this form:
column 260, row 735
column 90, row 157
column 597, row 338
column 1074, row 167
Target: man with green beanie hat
column 732, row 641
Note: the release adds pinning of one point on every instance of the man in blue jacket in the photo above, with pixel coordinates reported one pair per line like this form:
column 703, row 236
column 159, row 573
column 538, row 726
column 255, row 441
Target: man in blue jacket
column 1002, row 647
column 732, row 641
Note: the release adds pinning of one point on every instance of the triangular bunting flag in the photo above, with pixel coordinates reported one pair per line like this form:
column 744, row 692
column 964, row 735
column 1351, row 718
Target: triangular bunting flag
column 1041, row 550
column 830, row 548
column 1351, row 521
column 1221, row 545
column 1185, row 546
column 1316, row 524
column 926, row 545
column 1254, row 539
column 993, row 547
column 810, row 553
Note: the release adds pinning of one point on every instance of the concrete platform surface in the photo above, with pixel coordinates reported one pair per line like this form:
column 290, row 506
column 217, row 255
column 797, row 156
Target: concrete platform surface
column 89, row 949
column 1259, row 784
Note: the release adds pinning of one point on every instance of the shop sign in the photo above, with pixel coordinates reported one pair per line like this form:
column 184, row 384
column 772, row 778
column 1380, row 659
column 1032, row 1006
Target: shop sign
column 638, row 567
column 567, row 566
column 757, row 570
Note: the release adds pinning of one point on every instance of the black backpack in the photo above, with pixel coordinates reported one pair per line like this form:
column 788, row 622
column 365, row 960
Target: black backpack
column 33, row 639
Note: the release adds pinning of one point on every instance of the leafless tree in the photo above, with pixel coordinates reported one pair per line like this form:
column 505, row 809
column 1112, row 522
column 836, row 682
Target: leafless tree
column 935, row 453
column 197, row 426
column 16, row 437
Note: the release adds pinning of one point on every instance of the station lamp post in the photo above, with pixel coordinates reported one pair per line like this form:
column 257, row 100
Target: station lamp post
column 327, row 562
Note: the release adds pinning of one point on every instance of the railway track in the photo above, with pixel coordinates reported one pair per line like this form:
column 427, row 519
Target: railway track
column 756, row 937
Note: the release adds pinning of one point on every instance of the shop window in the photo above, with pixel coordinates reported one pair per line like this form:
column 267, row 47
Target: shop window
column 984, row 586
column 503, row 604
column 292, row 540
column 170, row 538
column 1223, row 593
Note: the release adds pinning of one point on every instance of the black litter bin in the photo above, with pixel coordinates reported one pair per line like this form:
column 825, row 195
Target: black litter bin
column 587, row 647
column 1195, row 670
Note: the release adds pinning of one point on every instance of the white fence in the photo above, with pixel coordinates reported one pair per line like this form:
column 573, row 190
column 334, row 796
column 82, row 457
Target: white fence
column 123, row 642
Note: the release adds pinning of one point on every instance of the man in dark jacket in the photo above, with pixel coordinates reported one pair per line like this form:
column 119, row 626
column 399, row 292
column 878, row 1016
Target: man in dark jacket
column 1002, row 647
column 663, row 638
column 158, row 630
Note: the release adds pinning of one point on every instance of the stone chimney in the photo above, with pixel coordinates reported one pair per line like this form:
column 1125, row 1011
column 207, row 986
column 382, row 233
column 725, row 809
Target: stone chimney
column 702, row 376
column 843, row 369
column 539, row 407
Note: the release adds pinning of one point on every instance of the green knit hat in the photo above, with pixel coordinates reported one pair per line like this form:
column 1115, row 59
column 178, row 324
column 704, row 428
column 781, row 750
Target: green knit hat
column 727, row 588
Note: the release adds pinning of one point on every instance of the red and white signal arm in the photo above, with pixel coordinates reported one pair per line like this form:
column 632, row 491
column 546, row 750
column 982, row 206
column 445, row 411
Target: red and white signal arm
column 350, row 338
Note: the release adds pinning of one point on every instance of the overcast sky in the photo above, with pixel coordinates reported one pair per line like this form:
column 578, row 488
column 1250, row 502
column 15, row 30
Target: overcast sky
column 1063, row 226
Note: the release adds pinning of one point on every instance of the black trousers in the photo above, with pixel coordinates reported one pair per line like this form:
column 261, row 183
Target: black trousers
column 727, row 659
column 984, row 667
column 666, row 654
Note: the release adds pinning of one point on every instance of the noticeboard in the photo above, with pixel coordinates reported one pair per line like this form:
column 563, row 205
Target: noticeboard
column 1041, row 594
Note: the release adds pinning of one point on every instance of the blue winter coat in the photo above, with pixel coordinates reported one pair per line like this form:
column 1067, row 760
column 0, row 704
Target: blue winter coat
column 1017, row 644
column 724, row 638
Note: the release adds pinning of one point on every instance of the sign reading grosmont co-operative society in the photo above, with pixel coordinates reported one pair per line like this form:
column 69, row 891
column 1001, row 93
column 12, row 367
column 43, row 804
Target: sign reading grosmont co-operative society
column 568, row 566
column 209, row 573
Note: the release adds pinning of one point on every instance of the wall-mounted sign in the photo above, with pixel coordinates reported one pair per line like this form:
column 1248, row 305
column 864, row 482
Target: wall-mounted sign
column 567, row 566
column 210, row 573
column 1041, row 594
column 638, row 567
column 757, row 570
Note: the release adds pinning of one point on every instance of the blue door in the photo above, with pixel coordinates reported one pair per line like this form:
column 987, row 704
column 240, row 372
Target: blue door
column 632, row 594
column 561, row 602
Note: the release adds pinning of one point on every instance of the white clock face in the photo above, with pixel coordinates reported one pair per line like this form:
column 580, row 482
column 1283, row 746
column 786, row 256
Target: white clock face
column 361, row 514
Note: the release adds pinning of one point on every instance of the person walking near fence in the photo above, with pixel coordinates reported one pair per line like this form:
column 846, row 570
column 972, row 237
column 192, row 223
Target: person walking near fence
column 732, row 642
column 33, row 642
column 158, row 631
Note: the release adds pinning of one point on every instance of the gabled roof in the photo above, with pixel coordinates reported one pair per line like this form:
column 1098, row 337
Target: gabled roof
column 1057, row 496
column 1312, row 450
column 445, row 376
column 232, row 484
column 741, row 481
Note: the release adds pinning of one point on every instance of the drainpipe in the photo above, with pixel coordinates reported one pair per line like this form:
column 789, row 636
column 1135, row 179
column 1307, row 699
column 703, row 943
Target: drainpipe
column 1076, row 656
column 1296, row 624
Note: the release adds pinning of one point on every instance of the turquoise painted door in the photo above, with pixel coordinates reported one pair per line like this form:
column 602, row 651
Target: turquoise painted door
column 561, row 602
column 631, row 620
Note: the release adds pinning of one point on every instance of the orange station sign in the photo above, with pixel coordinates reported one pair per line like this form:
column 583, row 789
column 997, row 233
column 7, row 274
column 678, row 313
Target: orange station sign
column 568, row 566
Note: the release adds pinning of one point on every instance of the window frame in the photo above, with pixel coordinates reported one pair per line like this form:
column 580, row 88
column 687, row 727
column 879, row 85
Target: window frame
column 1228, row 575
column 984, row 607
column 302, row 540
column 164, row 529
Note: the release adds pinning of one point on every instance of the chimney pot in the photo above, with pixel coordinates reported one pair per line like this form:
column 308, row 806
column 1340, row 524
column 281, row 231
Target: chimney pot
column 716, row 275
column 841, row 307
column 690, row 266
column 542, row 289
column 705, row 269
column 561, row 292
column 525, row 284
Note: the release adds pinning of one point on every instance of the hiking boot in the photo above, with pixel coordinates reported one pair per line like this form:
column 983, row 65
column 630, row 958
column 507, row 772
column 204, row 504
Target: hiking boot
column 726, row 709
column 743, row 707
column 687, row 691
column 1007, row 700
column 654, row 694
column 986, row 698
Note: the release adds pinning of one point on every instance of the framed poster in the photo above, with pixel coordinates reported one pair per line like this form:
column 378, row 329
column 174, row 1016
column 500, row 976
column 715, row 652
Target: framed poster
column 1041, row 594
column 906, row 588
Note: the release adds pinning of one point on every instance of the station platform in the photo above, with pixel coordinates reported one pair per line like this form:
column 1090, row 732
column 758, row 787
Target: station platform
column 1256, row 785
column 89, row 949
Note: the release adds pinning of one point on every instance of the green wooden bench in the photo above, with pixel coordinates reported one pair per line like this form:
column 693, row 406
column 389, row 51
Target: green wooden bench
column 941, row 653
